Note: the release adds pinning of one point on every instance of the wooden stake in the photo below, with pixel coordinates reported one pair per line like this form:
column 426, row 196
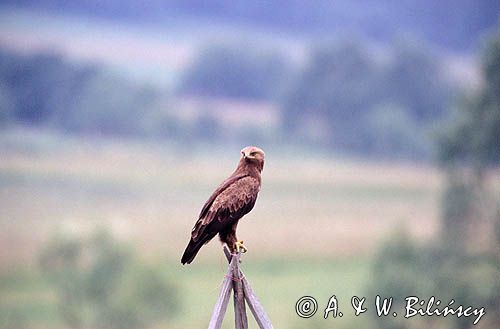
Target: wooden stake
column 253, row 302
column 235, row 280
column 240, row 314
column 223, row 300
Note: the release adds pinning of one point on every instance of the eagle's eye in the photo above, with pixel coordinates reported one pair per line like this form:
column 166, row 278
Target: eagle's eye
column 253, row 154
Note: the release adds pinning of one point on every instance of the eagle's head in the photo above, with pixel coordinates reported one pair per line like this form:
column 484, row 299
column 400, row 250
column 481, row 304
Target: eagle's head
column 253, row 154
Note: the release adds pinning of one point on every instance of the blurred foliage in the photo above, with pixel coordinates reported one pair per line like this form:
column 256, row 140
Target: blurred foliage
column 46, row 90
column 110, row 106
column 414, row 80
column 363, row 102
column 462, row 264
column 364, row 106
column 474, row 136
column 336, row 84
column 236, row 72
column 405, row 268
column 100, row 284
column 456, row 211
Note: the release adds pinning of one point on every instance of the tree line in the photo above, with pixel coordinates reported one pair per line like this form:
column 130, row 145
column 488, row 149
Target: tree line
column 342, row 97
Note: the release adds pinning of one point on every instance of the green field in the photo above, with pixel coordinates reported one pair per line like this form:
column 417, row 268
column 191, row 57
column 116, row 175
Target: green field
column 27, row 300
column 314, row 230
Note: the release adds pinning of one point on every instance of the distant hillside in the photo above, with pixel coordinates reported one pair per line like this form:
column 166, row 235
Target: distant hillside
column 454, row 24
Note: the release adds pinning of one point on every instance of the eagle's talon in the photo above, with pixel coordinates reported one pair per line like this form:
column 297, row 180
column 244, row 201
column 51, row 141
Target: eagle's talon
column 240, row 247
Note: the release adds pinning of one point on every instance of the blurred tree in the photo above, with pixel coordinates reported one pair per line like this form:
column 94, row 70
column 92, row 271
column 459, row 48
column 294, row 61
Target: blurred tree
column 346, row 89
column 456, row 211
column 29, row 80
column 46, row 90
column 99, row 284
column 405, row 268
column 105, row 104
column 337, row 87
column 491, row 68
column 474, row 137
column 463, row 264
column 236, row 71
column 414, row 80
column 338, row 83
column 470, row 146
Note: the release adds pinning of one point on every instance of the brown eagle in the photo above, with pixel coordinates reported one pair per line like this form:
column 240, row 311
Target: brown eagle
column 233, row 199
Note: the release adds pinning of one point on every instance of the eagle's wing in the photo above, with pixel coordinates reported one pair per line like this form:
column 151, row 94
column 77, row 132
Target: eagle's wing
column 235, row 200
column 225, row 184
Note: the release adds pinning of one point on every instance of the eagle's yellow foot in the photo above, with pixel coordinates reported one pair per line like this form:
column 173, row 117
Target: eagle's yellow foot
column 240, row 246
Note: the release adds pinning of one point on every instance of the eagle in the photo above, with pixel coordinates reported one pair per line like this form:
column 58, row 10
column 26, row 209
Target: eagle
column 232, row 200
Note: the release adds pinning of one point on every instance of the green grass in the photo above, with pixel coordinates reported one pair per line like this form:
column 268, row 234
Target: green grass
column 27, row 299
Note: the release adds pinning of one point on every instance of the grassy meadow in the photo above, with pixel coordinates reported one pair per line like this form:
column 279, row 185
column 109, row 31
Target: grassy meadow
column 314, row 230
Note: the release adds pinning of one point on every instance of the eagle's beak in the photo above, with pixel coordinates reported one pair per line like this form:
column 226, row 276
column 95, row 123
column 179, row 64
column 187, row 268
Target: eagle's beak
column 247, row 155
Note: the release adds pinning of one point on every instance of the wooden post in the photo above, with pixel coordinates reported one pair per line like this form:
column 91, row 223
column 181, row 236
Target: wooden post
column 222, row 301
column 257, row 310
column 242, row 292
column 240, row 314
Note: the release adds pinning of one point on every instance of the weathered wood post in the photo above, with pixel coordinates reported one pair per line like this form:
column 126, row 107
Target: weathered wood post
column 235, row 280
column 240, row 314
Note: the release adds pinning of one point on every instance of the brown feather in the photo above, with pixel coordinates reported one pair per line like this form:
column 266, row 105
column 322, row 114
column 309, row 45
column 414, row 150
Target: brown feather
column 233, row 199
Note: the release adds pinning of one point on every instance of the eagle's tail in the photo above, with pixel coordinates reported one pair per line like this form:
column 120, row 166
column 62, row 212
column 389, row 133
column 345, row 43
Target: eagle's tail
column 192, row 249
